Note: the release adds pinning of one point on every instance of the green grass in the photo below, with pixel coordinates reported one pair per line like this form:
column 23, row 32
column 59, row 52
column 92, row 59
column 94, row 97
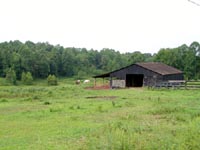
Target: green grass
column 68, row 116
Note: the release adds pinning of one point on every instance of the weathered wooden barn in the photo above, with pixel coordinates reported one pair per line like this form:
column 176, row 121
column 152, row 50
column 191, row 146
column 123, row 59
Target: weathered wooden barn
column 142, row 74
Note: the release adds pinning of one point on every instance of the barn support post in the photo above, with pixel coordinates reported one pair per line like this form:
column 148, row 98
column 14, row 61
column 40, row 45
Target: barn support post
column 111, row 82
column 94, row 82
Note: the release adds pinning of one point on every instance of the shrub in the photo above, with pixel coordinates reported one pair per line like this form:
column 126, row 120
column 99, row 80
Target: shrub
column 27, row 78
column 4, row 100
column 52, row 80
column 11, row 76
column 113, row 103
column 47, row 103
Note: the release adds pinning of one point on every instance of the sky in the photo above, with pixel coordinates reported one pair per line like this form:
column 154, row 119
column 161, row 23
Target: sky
column 122, row 25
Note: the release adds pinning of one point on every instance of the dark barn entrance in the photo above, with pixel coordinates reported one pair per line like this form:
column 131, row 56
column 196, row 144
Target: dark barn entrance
column 134, row 80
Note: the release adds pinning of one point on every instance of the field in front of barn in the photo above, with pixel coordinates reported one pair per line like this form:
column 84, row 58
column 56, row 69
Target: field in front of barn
column 70, row 116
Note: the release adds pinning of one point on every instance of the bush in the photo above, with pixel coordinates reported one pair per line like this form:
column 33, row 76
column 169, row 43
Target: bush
column 27, row 78
column 52, row 80
column 11, row 76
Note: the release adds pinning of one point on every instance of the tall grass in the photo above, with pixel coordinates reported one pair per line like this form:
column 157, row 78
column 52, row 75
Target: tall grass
column 68, row 116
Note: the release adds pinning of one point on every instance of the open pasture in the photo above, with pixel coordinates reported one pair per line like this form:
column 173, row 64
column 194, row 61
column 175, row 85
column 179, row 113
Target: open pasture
column 68, row 116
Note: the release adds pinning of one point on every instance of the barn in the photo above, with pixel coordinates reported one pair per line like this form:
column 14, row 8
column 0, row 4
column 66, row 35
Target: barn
column 143, row 74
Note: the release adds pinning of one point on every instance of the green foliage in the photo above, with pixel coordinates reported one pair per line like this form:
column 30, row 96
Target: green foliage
column 137, row 57
column 185, row 58
column 52, row 80
column 11, row 76
column 27, row 78
column 47, row 103
column 42, row 59
column 81, row 75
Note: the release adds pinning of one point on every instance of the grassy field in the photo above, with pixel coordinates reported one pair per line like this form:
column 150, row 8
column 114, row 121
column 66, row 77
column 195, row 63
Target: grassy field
column 68, row 116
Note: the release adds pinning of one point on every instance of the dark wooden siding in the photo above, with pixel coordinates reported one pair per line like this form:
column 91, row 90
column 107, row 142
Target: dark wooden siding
column 173, row 77
column 150, row 77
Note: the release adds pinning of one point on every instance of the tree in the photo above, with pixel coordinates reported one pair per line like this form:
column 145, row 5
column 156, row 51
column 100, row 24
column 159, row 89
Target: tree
column 68, row 62
column 16, row 63
column 11, row 76
column 137, row 57
column 195, row 46
column 182, row 57
column 42, row 59
column 52, row 80
column 27, row 78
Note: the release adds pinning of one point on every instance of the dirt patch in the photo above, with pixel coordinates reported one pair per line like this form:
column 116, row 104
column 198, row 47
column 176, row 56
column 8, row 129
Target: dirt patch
column 102, row 97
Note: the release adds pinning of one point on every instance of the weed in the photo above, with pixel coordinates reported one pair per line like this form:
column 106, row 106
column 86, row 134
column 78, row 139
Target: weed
column 47, row 103
column 167, row 110
column 129, row 104
column 50, row 92
column 36, row 97
column 28, row 99
column 124, row 98
column 74, row 118
column 195, row 115
column 100, row 108
column 4, row 100
column 55, row 109
column 113, row 103
column 71, row 107
column 158, row 99
column 119, row 106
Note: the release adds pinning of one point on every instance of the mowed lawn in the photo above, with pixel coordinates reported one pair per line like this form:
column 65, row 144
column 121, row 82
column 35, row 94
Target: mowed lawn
column 70, row 117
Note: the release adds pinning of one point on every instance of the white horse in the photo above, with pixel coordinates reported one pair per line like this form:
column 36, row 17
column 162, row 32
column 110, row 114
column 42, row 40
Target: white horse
column 86, row 81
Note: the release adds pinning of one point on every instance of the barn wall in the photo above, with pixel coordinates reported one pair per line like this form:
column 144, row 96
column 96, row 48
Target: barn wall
column 118, row 84
column 152, row 80
column 173, row 77
column 150, row 77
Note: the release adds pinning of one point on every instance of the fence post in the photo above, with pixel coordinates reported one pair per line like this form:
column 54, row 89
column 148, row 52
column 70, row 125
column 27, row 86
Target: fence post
column 185, row 84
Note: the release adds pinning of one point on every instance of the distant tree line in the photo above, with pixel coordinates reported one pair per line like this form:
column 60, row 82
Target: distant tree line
column 44, row 59
column 185, row 58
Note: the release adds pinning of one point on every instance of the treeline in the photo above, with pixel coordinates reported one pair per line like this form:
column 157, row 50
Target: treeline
column 185, row 58
column 43, row 59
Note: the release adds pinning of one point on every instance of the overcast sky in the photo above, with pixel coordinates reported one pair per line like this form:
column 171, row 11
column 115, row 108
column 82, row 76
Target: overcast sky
column 123, row 25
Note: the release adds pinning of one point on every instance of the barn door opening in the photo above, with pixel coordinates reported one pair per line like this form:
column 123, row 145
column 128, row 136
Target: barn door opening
column 134, row 80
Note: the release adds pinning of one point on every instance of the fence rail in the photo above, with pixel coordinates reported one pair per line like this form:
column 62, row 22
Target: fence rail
column 192, row 84
column 179, row 84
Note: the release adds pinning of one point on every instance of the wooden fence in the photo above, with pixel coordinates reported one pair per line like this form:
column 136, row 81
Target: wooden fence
column 192, row 84
column 179, row 84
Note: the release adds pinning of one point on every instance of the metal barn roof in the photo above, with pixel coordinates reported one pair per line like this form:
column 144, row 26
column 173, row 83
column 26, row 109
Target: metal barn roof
column 159, row 68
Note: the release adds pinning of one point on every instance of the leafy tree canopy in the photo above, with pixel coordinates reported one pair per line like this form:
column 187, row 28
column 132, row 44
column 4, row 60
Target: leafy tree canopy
column 43, row 59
